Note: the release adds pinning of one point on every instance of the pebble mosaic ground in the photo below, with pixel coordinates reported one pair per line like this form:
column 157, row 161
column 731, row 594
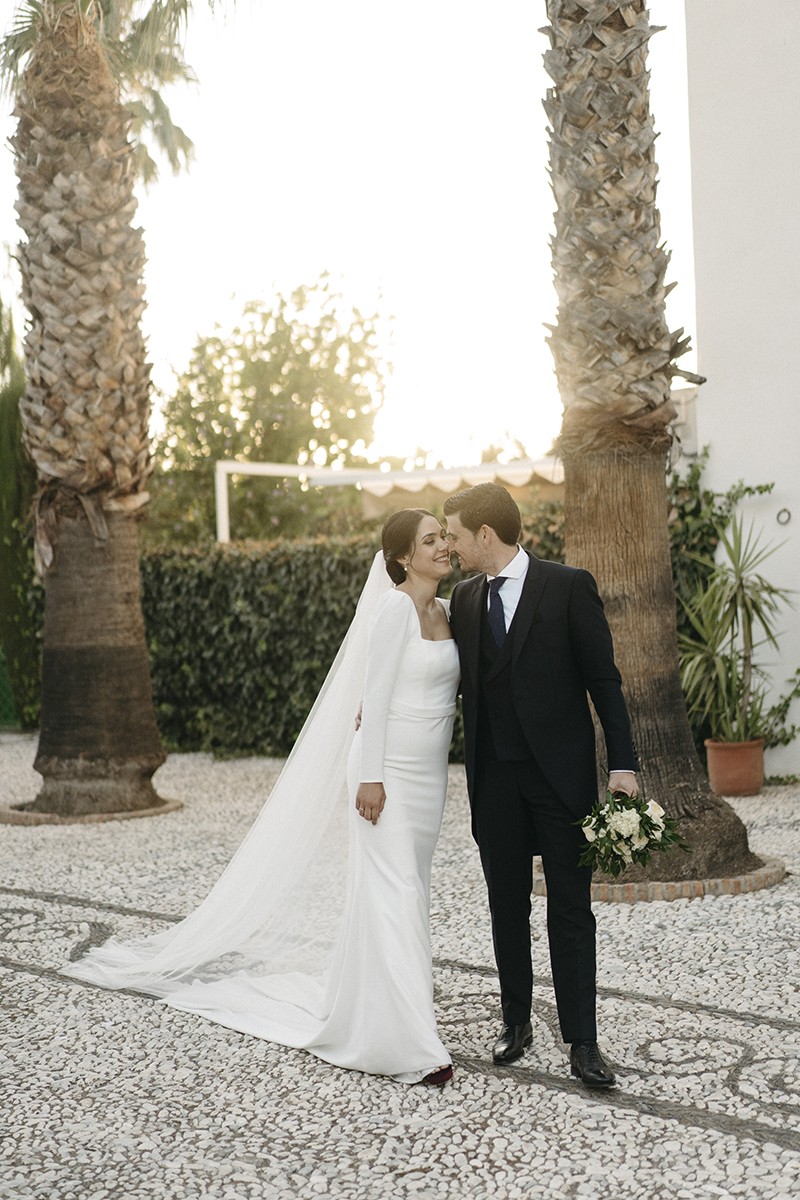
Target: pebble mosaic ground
column 112, row 1096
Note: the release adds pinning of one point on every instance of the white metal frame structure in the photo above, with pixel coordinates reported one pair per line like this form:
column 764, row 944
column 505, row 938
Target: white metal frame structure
column 380, row 483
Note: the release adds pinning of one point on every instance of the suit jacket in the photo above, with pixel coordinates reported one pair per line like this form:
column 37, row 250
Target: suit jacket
column 561, row 648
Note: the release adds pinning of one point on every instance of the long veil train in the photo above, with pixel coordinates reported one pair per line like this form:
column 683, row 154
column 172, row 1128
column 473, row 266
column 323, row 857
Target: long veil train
column 270, row 921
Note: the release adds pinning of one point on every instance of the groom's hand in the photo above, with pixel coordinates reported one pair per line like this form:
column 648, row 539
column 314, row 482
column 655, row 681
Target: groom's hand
column 623, row 781
column 370, row 799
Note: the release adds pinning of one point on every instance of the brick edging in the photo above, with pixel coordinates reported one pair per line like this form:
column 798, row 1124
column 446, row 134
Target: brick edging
column 773, row 871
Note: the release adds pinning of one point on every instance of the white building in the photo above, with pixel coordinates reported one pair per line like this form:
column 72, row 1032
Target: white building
column 744, row 107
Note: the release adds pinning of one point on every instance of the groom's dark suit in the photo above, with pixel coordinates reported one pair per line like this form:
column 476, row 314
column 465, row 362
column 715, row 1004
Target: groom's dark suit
column 530, row 760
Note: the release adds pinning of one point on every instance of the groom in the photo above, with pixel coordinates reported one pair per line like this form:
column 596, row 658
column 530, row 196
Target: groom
column 533, row 640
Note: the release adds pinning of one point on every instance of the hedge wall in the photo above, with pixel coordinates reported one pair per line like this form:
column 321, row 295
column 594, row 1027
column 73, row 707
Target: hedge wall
column 241, row 637
column 20, row 620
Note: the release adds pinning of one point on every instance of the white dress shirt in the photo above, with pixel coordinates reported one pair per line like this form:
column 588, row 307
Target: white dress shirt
column 511, row 591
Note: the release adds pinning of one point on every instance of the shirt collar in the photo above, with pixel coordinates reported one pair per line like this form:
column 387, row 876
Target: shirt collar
column 516, row 568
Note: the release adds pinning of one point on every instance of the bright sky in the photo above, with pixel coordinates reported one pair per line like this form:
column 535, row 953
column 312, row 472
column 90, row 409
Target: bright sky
column 401, row 147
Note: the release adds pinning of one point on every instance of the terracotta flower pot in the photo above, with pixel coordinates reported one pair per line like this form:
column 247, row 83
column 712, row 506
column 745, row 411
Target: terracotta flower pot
column 735, row 768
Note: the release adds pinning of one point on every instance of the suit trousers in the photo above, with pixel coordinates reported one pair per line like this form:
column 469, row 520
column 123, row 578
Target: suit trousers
column 516, row 814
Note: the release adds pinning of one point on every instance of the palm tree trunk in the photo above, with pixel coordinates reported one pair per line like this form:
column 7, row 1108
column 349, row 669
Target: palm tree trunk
column 98, row 745
column 85, row 417
column 615, row 358
column 616, row 509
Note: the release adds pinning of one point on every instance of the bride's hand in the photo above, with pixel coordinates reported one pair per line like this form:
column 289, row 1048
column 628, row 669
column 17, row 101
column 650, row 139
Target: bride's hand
column 370, row 799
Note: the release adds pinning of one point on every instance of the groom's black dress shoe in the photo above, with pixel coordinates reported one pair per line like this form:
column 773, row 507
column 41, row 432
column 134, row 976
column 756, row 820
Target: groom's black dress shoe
column 588, row 1064
column 511, row 1043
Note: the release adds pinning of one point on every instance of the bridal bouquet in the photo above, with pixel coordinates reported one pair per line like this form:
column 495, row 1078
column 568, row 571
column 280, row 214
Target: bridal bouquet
column 622, row 830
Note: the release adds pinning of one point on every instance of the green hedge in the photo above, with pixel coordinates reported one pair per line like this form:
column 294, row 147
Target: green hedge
column 241, row 637
column 20, row 620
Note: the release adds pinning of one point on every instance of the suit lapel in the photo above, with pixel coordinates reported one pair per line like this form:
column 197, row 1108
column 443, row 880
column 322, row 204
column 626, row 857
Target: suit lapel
column 472, row 606
column 532, row 590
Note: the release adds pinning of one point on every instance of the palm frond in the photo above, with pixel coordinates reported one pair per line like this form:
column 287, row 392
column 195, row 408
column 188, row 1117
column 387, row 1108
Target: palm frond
column 17, row 44
column 153, row 116
column 145, row 165
column 164, row 24
column 144, row 51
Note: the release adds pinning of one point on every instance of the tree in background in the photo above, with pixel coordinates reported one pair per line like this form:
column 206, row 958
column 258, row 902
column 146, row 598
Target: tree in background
column 19, row 633
column 298, row 381
column 86, row 407
column 615, row 360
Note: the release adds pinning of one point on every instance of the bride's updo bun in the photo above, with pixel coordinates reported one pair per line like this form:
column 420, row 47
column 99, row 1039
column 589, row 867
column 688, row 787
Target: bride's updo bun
column 395, row 572
column 397, row 539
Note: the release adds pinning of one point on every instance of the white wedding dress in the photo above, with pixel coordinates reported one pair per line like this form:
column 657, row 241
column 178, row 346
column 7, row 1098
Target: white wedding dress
column 318, row 943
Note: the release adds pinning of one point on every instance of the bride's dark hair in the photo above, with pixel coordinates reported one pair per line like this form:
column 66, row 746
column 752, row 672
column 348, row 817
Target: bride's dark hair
column 397, row 538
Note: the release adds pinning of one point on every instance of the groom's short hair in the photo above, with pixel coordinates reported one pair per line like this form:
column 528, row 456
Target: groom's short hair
column 487, row 504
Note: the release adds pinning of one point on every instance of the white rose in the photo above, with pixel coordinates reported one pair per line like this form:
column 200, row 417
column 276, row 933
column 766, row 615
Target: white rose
column 639, row 843
column 625, row 822
column 589, row 832
column 656, row 813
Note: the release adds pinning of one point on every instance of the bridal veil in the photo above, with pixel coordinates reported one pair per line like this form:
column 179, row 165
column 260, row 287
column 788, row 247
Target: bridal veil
column 276, row 908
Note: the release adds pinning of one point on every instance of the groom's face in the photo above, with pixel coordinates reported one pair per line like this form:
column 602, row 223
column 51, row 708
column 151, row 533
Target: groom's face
column 465, row 544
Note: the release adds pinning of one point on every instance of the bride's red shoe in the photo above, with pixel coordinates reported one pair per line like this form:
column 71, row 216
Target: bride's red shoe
column 439, row 1077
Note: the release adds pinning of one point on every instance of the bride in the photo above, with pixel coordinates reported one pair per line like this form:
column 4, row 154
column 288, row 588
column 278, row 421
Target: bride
column 316, row 935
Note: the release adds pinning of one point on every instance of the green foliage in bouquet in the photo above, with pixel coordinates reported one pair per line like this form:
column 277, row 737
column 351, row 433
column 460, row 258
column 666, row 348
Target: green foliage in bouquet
column 622, row 830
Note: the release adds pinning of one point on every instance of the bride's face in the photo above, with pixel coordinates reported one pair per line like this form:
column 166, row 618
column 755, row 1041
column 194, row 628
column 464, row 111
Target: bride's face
column 430, row 554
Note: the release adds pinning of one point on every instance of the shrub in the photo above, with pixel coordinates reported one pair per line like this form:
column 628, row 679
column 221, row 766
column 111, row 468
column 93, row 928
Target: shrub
column 241, row 637
column 20, row 613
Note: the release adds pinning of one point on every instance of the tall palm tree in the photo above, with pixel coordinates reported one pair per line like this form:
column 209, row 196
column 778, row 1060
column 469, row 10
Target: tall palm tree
column 615, row 360
column 84, row 74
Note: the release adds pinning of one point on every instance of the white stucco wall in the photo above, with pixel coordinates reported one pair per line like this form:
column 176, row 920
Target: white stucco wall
column 744, row 109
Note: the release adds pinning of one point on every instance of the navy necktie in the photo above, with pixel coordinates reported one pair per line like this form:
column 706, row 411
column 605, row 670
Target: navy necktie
column 497, row 618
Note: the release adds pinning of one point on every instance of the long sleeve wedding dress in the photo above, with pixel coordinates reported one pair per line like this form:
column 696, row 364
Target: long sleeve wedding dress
column 315, row 944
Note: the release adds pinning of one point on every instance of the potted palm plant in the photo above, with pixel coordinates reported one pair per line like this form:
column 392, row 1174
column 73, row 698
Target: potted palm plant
column 732, row 614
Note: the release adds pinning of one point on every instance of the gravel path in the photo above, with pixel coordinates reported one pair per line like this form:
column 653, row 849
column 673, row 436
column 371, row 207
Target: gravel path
column 112, row 1096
